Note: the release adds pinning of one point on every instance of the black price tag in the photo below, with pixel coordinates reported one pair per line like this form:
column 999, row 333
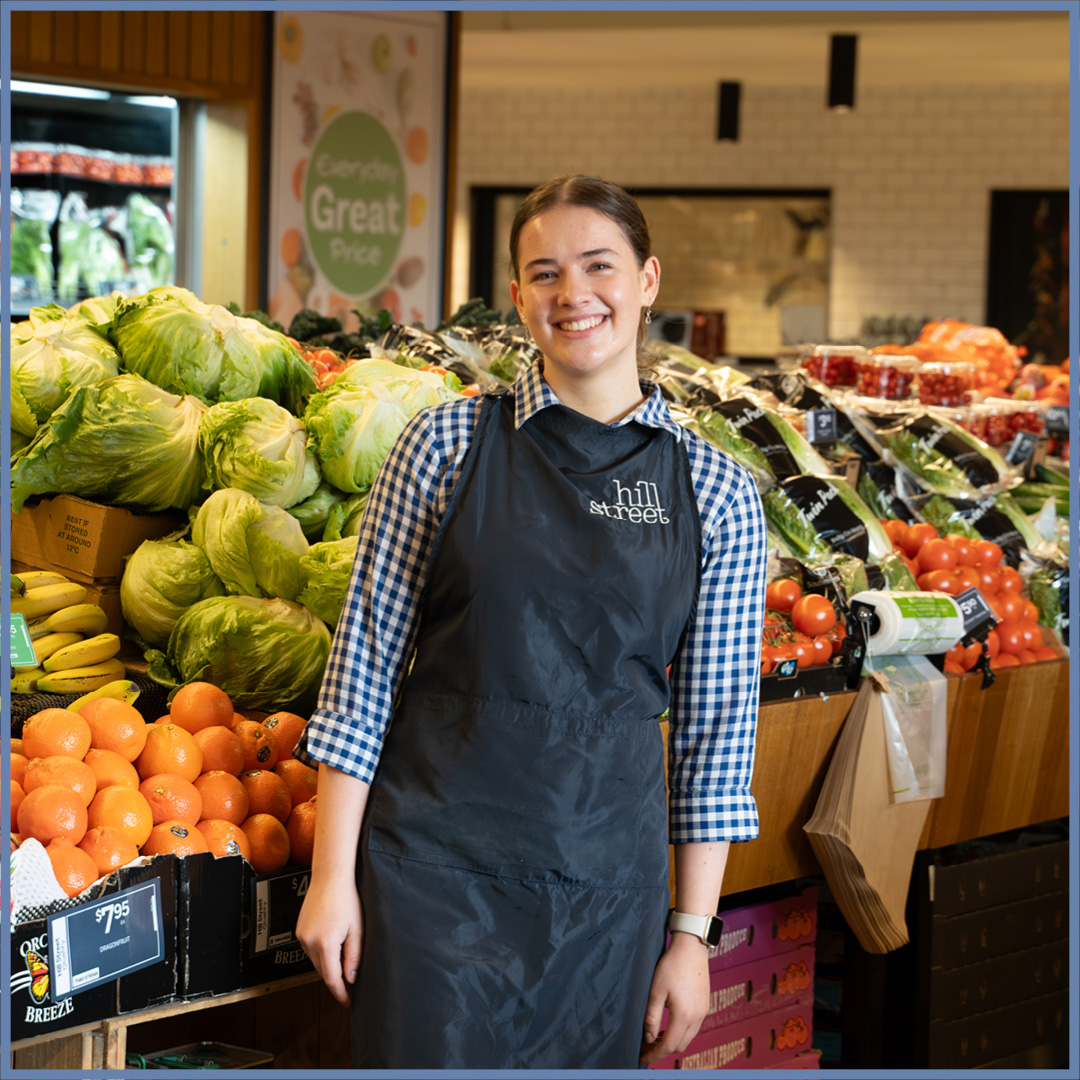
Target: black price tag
column 821, row 425
column 1023, row 447
column 1057, row 419
column 100, row 941
column 277, row 905
column 978, row 616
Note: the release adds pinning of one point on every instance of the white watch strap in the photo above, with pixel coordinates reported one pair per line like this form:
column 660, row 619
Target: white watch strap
column 689, row 924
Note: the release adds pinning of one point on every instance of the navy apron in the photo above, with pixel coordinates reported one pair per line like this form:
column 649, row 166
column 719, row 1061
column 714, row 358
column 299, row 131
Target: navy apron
column 513, row 862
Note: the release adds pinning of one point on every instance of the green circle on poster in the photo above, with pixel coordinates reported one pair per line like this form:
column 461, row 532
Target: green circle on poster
column 354, row 203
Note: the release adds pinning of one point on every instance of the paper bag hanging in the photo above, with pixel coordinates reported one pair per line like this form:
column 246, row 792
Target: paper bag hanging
column 864, row 842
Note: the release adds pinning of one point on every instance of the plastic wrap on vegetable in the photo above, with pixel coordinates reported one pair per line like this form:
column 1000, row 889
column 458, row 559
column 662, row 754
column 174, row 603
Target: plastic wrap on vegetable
column 948, row 459
column 493, row 354
column 90, row 253
column 819, row 514
column 414, row 347
column 713, row 427
column 32, row 215
column 752, row 430
column 990, row 518
column 1049, row 588
column 880, row 489
column 148, row 241
column 896, row 573
column 836, row 566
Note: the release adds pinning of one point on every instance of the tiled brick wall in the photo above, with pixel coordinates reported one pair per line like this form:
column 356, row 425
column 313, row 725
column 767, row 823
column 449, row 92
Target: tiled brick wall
column 910, row 170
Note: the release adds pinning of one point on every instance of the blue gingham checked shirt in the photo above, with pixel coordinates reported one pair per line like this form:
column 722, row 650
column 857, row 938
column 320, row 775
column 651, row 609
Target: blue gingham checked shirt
column 714, row 680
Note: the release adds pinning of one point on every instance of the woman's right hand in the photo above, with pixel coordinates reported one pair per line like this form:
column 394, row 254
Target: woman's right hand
column 331, row 928
column 331, row 923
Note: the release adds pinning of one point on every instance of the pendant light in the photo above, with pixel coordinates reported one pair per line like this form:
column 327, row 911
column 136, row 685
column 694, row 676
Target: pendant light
column 842, row 72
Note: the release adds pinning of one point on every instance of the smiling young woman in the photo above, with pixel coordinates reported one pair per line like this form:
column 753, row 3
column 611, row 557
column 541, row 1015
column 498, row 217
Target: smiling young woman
column 559, row 564
column 582, row 290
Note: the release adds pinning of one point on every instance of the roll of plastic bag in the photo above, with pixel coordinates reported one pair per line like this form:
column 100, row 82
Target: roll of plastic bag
column 922, row 623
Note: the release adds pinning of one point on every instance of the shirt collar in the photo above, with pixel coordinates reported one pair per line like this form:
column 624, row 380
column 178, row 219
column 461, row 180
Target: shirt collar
column 532, row 394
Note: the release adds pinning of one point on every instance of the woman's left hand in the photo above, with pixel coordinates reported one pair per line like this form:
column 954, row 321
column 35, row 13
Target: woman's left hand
column 681, row 984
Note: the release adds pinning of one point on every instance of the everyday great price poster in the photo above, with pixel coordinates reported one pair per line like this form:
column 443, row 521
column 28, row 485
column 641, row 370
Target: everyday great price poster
column 357, row 165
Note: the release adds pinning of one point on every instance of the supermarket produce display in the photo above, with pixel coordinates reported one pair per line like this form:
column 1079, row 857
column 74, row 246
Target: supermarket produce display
column 255, row 445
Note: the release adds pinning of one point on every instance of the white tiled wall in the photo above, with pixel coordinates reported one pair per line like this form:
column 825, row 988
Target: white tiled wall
column 910, row 171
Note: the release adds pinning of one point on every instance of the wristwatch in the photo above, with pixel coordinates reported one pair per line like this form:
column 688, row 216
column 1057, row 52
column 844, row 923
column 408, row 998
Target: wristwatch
column 706, row 927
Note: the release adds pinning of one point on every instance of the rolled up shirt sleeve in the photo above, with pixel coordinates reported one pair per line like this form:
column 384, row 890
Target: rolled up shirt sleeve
column 375, row 633
column 715, row 680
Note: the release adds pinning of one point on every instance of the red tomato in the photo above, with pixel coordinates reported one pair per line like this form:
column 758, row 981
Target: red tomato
column 1011, row 605
column 836, row 635
column 1026, row 656
column 993, row 644
column 1011, row 636
column 823, row 649
column 766, row 666
column 784, row 651
column 938, row 581
column 1010, row 579
column 469, row 391
column 1032, row 633
column 781, row 594
column 955, row 654
column 896, row 529
column 813, row 615
column 936, row 555
column 803, row 645
column 1045, row 652
column 912, row 565
column 964, row 548
column 916, row 536
column 971, row 655
column 1031, row 611
column 988, row 553
column 1003, row 660
column 967, row 578
column 951, row 668
column 988, row 580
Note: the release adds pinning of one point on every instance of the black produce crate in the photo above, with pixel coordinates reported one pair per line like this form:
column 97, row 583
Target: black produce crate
column 152, row 703
column 830, row 678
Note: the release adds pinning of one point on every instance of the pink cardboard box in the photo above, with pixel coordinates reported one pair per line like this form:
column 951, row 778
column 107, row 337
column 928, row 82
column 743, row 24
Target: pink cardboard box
column 760, row 930
column 770, row 983
column 759, row 1042
column 810, row 1060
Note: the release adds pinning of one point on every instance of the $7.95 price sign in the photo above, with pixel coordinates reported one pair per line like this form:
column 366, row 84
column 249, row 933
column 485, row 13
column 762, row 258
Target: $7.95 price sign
column 99, row 942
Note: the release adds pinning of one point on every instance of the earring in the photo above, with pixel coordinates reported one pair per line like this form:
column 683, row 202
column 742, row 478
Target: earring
column 648, row 315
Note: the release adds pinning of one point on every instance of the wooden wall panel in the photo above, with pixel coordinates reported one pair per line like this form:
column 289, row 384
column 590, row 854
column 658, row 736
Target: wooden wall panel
column 209, row 53
column 1007, row 767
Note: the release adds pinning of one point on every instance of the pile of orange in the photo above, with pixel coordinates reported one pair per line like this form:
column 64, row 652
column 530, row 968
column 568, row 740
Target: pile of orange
column 101, row 786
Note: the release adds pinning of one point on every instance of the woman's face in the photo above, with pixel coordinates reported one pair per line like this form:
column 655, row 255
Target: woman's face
column 580, row 290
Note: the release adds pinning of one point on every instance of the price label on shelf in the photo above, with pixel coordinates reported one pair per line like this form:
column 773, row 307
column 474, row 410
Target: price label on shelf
column 821, row 425
column 1057, row 419
column 22, row 648
column 277, row 902
column 1026, row 446
column 100, row 941
column 977, row 613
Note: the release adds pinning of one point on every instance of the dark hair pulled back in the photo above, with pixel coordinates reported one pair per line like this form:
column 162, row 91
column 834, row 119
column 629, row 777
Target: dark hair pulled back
column 598, row 194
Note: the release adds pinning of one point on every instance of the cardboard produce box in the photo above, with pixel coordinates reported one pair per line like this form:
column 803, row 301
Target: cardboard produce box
column 119, row 956
column 272, row 907
column 210, row 920
column 759, row 1042
column 761, row 930
column 85, row 541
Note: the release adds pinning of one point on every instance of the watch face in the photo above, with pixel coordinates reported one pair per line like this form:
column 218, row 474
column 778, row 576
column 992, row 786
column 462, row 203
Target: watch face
column 713, row 931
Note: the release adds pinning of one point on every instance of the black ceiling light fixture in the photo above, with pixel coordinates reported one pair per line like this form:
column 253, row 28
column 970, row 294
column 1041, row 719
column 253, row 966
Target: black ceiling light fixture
column 842, row 72
column 727, row 115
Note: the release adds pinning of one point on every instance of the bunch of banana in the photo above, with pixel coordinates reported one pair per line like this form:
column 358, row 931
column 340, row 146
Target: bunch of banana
column 74, row 652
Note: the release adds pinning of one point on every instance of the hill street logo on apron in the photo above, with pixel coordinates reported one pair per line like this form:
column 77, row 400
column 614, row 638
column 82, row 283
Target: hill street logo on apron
column 638, row 502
